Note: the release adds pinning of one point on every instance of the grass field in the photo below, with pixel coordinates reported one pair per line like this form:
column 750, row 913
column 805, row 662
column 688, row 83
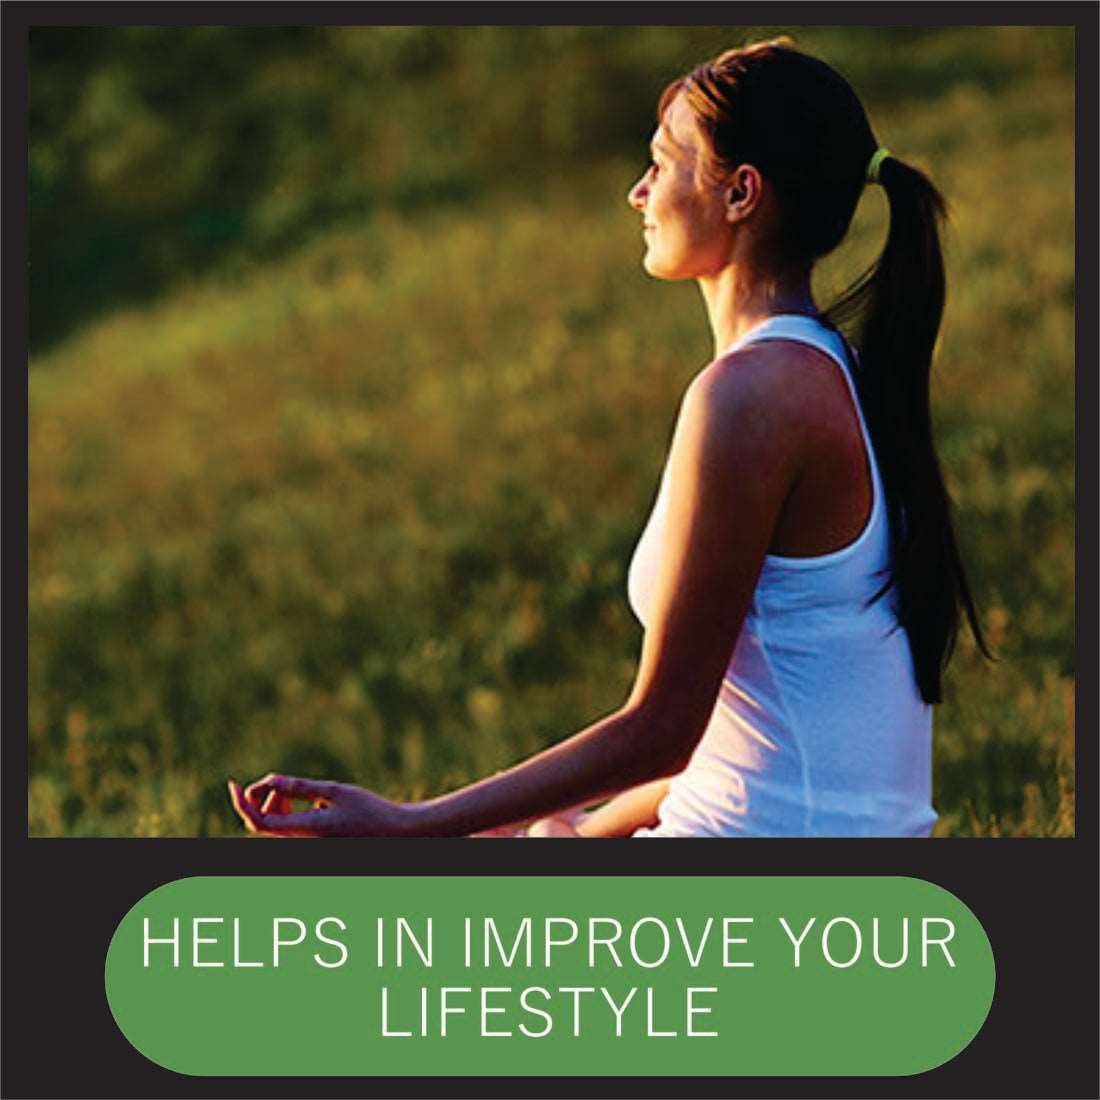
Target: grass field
column 365, row 512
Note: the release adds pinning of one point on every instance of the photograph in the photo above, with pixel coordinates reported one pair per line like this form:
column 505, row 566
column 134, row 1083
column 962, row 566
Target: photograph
column 545, row 432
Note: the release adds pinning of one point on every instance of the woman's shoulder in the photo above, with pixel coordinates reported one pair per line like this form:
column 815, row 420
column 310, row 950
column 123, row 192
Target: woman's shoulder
column 773, row 365
column 773, row 385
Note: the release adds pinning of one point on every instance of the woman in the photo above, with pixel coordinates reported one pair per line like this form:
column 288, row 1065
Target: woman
column 799, row 579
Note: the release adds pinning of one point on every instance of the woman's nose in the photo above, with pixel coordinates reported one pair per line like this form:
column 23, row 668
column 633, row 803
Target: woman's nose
column 636, row 196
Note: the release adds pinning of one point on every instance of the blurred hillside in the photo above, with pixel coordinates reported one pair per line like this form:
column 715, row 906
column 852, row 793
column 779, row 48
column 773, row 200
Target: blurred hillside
column 159, row 152
column 349, row 487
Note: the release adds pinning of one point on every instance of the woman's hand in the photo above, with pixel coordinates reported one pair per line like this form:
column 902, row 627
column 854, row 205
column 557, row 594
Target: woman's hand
column 339, row 809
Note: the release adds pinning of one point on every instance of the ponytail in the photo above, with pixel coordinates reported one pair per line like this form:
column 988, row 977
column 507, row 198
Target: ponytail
column 802, row 125
column 896, row 307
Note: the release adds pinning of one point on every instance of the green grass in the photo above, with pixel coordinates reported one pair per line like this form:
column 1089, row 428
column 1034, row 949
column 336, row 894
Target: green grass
column 366, row 513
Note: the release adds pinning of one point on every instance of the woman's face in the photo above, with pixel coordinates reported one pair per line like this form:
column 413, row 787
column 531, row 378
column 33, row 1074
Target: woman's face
column 687, row 232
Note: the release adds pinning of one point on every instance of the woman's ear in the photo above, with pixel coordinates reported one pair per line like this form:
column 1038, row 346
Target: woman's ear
column 742, row 192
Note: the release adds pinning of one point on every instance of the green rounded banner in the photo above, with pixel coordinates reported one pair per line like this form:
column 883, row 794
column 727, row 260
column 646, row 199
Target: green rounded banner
column 536, row 975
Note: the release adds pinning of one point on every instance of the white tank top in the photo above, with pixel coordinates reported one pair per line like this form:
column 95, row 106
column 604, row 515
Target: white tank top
column 819, row 728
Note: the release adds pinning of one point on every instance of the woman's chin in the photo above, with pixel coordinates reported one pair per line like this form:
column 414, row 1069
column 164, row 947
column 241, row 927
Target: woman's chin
column 653, row 267
column 652, row 264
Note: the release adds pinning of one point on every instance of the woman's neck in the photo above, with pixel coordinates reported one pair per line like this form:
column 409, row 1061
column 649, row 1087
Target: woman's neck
column 738, row 300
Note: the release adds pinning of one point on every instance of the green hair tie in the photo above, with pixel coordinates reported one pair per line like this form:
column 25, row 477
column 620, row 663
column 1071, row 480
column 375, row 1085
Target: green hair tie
column 876, row 163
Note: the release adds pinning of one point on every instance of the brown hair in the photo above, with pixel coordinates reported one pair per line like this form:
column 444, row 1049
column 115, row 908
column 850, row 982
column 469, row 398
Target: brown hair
column 801, row 125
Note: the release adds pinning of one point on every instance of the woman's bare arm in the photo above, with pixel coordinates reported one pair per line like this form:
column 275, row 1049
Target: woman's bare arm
column 734, row 457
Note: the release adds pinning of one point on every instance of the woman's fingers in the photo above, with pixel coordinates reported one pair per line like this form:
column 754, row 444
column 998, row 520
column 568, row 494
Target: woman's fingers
column 307, row 823
column 310, row 823
column 256, row 793
column 274, row 794
column 267, row 805
column 245, row 810
column 295, row 787
column 277, row 803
